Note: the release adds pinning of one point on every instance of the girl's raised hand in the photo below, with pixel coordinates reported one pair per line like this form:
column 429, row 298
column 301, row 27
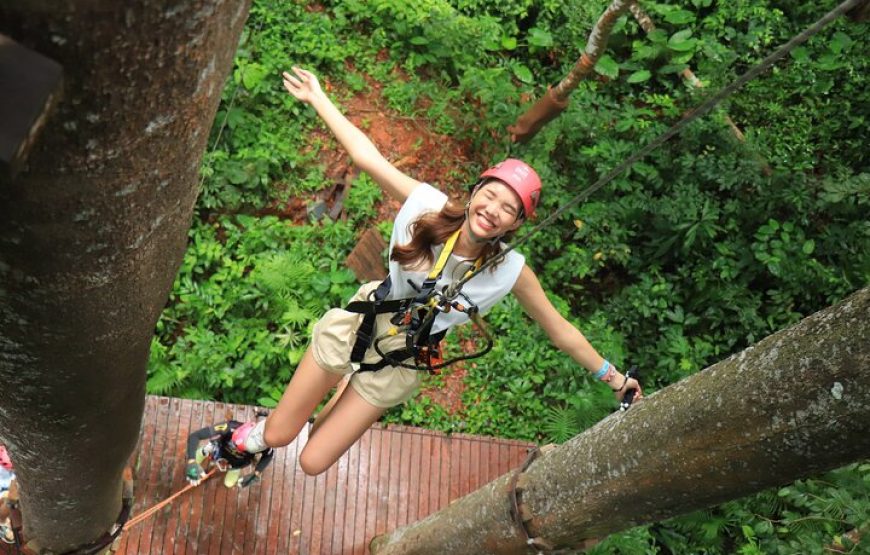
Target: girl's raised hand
column 304, row 86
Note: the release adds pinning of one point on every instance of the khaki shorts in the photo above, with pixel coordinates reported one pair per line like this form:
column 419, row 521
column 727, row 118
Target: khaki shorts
column 331, row 344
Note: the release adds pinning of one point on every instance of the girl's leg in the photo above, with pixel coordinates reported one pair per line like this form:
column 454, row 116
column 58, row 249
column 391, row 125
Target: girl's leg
column 348, row 420
column 310, row 383
column 324, row 412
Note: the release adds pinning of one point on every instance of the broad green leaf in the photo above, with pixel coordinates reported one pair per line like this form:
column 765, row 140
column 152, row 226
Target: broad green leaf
column 418, row 40
column 680, row 36
column 682, row 41
column 252, row 75
column 840, row 41
column 800, row 54
column 672, row 68
column 607, row 66
column 682, row 46
column 809, row 246
column 235, row 117
column 658, row 36
column 679, row 17
column 682, row 57
column 540, row 37
column 830, row 62
column 509, row 43
column 523, row 73
column 639, row 76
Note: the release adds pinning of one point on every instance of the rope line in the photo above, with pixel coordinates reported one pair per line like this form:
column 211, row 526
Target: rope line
column 692, row 115
column 151, row 510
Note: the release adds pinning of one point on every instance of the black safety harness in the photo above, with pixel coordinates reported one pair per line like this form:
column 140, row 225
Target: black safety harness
column 414, row 316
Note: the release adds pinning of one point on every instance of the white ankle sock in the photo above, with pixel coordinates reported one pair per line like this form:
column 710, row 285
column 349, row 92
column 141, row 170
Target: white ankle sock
column 255, row 443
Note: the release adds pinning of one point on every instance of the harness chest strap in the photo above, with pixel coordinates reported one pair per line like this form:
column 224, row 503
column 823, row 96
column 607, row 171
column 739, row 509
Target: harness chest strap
column 371, row 308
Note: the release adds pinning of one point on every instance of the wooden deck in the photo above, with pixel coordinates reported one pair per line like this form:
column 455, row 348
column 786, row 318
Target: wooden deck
column 393, row 476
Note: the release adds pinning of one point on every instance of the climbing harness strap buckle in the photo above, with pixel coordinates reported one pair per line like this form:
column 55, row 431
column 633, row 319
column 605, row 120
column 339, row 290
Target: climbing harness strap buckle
column 415, row 316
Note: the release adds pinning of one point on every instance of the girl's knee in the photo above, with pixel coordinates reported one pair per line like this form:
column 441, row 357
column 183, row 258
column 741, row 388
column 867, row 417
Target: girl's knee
column 313, row 463
column 275, row 437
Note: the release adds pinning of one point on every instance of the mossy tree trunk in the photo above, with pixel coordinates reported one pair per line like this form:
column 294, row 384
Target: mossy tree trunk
column 791, row 406
column 92, row 233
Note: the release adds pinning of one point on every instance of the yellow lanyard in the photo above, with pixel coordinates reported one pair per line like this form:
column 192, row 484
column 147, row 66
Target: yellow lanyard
column 435, row 273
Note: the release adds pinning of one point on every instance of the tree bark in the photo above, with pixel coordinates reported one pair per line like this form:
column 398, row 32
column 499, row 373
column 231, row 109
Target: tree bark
column 92, row 233
column 860, row 13
column 791, row 406
column 555, row 100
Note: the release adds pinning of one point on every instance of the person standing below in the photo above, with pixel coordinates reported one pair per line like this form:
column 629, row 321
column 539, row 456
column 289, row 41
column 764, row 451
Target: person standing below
column 7, row 494
column 225, row 448
column 503, row 198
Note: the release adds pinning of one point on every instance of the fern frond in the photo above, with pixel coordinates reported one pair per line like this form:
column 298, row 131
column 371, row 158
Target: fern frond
column 591, row 406
column 560, row 424
column 295, row 314
column 281, row 274
column 162, row 381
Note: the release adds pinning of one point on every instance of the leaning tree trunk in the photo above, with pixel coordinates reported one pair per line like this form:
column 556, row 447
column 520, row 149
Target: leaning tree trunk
column 555, row 100
column 793, row 405
column 861, row 12
column 91, row 235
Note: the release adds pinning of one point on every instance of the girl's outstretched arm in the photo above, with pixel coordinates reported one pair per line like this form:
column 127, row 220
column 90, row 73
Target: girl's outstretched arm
column 305, row 87
column 562, row 333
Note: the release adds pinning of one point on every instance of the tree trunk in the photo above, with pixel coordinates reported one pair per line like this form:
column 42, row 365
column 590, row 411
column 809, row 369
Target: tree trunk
column 861, row 12
column 91, row 236
column 555, row 100
column 791, row 406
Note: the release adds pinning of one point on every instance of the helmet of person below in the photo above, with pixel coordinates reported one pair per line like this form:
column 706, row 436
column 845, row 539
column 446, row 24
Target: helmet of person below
column 240, row 434
column 520, row 177
column 5, row 461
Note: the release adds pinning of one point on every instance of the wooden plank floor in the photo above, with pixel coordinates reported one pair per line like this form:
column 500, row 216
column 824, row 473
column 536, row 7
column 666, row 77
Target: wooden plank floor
column 393, row 476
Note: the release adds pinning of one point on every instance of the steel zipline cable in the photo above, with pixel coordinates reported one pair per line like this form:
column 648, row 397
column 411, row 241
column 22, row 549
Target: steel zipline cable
column 691, row 116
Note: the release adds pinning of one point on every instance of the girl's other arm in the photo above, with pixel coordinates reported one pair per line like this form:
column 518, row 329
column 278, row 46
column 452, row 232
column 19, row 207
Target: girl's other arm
column 305, row 87
column 561, row 332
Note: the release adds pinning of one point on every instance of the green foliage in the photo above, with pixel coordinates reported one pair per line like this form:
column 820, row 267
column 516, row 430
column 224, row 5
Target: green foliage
column 524, row 379
column 704, row 247
column 240, row 314
column 804, row 517
column 361, row 202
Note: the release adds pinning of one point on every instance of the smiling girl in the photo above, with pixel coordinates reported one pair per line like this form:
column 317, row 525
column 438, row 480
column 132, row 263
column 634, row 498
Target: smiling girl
column 502, row 199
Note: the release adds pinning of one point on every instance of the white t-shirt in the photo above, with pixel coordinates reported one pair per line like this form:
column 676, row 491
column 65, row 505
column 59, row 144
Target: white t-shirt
column 484, row 289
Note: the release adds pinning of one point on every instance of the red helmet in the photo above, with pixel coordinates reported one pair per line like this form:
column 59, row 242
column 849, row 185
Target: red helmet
column 241, row 434
column 5, row 461
column 520, row 177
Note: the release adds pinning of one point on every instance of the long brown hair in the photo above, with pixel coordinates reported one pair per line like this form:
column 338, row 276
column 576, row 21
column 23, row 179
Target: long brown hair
column 434, row 228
